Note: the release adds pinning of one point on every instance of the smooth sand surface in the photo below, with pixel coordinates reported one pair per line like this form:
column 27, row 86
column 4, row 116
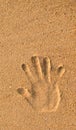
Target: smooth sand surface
column 41, row 28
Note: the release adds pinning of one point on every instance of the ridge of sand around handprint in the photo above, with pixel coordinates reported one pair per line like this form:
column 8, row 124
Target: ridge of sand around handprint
column 44, row 95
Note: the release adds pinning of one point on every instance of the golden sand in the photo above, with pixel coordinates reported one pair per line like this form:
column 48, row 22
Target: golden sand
column 37, row 93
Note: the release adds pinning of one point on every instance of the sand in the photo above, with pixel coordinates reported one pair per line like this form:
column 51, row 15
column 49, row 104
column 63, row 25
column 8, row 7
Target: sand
column 41, row 28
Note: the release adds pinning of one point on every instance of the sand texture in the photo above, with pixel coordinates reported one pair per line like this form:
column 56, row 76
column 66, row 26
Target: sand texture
column 37, row 64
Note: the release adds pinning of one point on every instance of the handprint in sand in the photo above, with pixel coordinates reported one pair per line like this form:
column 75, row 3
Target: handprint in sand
column 44, row 95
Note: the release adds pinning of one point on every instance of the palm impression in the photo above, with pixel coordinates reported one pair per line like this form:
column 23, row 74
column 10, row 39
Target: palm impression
column 44, row 95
